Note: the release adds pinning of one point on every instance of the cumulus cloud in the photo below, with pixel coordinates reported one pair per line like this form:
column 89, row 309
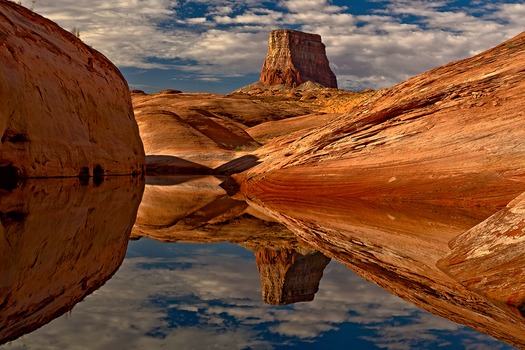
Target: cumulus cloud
column 395, row 40
column 208, row 296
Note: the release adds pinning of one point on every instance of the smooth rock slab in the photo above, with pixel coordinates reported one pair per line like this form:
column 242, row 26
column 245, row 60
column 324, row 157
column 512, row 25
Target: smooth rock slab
column 66, row 110
column 488, row 258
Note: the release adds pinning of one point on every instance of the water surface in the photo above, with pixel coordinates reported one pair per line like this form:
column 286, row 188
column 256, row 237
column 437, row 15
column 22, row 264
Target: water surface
column 208, row 296
column 234, row 279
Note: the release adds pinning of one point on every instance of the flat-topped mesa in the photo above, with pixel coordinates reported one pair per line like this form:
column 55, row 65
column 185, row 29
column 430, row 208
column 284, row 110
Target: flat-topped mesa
column 294, row 58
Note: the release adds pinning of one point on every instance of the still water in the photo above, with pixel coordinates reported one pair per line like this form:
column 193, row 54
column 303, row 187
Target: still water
column 186, row 295
column 196, row 296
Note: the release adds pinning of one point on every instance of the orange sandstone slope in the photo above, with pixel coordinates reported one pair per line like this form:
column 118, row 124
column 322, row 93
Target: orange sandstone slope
column 385, row 187
column 452, row 136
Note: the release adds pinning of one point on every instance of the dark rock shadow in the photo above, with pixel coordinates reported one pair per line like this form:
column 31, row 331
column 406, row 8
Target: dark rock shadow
column 171, row 165
column 237, row 165
column 171, row 180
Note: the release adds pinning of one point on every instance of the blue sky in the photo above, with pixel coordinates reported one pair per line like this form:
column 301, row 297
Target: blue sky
column 219, row 46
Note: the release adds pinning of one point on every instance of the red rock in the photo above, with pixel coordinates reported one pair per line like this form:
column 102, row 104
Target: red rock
column 294, row 58
column 197, row 132
column 66, row 109
column 385, row 187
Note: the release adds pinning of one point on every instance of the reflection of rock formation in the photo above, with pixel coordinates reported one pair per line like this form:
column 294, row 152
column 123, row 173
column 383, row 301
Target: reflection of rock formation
column 397, row 247
column 66, row 110
column 59, row 241
column 386, row 187
column 196, row 209
column 488, row 258
column 288, row 276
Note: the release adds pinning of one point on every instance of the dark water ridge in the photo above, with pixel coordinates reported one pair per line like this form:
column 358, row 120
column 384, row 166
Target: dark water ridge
column 63, row 240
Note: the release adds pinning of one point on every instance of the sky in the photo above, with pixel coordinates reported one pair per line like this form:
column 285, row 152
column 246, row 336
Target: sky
column 220, row 45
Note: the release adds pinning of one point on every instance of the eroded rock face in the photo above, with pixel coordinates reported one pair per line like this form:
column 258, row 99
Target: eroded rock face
column 386, row 187
column 457, row 127
column 66, row 109
column 294, row 58
column 60, row 240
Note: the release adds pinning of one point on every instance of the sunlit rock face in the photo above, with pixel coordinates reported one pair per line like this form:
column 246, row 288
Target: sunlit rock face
column 289, row 275
column 66, row 109
column 60, row 239
column 294, row 58
column 386, row 187
column 488, row 258
column 194, row 133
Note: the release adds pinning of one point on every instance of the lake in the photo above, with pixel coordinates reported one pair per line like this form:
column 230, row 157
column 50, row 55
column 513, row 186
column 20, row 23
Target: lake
column 202, row 271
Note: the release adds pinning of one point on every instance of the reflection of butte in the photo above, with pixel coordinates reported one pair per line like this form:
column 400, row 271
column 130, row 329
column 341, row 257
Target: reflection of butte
column 196, row 209
column 60, row 240
column 290, row 275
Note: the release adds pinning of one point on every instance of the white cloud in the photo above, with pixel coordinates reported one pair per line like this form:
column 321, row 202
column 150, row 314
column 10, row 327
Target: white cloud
column 228, row 37
column 301, row 6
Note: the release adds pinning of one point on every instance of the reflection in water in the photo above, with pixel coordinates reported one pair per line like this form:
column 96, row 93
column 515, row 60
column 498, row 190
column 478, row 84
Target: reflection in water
column 207, row 296
column 189, row 296
column 59, row 241
column 289, row 276
column 397, row 245
column 196, row 209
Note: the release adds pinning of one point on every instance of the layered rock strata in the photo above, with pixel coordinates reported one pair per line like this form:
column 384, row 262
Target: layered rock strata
column 294, row 58
column 66, row 109
column 199, row 133
column 386, row 187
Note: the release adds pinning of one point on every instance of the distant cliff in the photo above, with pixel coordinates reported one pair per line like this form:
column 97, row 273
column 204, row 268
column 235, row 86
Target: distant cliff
column 294, row 58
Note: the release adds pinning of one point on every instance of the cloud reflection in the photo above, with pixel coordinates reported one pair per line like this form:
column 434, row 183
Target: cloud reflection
column 208, row 296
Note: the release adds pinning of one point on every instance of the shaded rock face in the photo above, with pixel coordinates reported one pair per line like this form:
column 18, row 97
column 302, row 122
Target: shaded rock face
column 60, row 240
column 66, row 109
column 294, row 58
column 387, row 186
column 289, row 276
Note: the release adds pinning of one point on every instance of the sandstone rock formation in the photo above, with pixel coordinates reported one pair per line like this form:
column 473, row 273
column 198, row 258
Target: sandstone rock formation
column 197, row 133
column 59, row 241
column 294, row 58
column 385, row 188
column 289, row 276
column 202, row 133
column 66, row 109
